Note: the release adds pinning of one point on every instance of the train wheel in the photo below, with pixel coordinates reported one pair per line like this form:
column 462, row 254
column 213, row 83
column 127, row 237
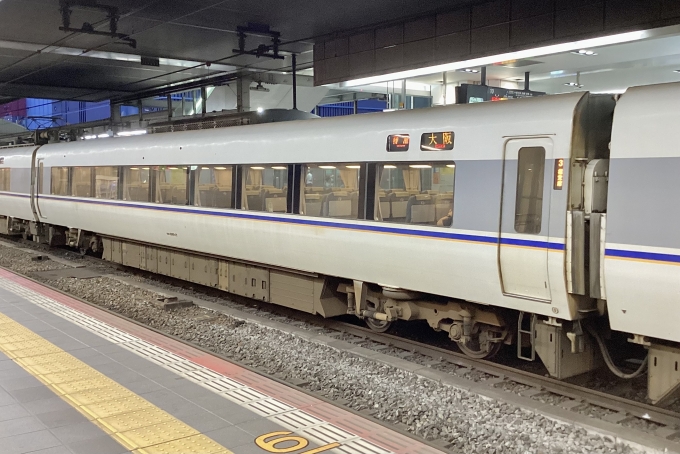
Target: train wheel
column 480, row 347
column 379, row 326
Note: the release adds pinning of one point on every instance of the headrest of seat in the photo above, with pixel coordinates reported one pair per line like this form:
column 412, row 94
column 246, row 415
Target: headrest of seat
column 421, row 197
column 401, row 193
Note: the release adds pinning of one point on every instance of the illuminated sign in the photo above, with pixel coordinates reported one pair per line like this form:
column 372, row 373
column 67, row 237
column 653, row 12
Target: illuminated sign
column 398, row 142
column 558, row 180
column 435, row 141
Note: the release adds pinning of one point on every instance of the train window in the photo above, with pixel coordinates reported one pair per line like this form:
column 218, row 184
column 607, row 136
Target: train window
column 330, row 190
column 41, row 177
column 59, row 181
column 4, row 179
column 265, row 188
column 416, row 193
column 106, row 182
column 529, row 198
column 136, row 184
column 171, row 184
column 214, row 186
column 81, row 183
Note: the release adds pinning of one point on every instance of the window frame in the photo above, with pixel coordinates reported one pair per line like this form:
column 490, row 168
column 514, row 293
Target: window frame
column 356, row 209
column 195, row 183
column 538, row 183
column 242, row 176
column 378, row 215
column 6, row 179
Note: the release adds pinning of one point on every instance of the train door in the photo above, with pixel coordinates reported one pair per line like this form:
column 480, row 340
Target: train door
column 525, row 211
column 36, row 184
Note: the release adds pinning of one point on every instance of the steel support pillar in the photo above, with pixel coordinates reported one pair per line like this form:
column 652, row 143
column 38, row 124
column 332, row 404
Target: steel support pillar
column 243, row 94
column 294, row 68
column 169, row 98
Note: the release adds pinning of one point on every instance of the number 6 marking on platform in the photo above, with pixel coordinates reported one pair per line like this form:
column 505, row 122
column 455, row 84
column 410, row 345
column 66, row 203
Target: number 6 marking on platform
column 269, row 441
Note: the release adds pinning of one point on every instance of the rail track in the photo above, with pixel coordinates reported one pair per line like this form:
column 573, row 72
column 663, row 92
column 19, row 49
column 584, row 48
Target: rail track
column 659, row 422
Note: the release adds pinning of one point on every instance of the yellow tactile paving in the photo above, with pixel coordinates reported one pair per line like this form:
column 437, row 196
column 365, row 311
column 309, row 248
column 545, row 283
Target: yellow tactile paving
column 134, row 422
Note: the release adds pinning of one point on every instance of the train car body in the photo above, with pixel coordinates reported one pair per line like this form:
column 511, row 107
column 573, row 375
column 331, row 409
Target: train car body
column 533, row 244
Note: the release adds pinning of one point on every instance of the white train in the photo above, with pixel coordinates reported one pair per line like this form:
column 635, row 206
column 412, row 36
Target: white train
column 530, row 221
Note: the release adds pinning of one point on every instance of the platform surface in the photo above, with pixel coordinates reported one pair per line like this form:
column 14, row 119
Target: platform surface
column 77, row 379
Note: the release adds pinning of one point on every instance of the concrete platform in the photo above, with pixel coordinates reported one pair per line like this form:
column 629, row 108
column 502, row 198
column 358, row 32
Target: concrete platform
column 76, row 379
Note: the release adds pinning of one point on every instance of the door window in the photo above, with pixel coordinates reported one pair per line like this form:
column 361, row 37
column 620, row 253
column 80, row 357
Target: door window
column 529, row 198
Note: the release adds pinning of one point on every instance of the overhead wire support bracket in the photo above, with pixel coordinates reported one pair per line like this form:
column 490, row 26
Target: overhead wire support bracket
column 262, row 50
column 111, row 14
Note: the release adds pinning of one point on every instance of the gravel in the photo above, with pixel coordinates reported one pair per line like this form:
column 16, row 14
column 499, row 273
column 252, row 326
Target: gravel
column 469, row 422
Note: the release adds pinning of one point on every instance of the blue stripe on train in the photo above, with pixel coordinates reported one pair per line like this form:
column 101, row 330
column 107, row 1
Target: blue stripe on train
column 442, row 234
column 652, row 256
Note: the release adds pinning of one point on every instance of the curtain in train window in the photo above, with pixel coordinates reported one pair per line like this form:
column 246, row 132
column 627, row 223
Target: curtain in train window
column 214, row 186
column 41, row 178
column 4, row 179
column 265, row 188
column 136, row 184
column 106, row 182
column 529, row 198
column 416, row 193
column 330, row 190
column 171, row 185
column 59, row 181
column 81, row 183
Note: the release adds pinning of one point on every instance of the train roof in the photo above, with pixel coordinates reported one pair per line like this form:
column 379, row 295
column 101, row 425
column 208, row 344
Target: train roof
column 478, row 130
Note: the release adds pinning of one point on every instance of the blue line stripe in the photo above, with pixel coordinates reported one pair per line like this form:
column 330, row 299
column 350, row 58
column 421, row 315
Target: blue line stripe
column 441, row 234
column 652, row 256
column 530, row 243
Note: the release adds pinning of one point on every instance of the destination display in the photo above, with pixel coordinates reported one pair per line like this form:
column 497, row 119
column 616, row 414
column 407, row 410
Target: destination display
column 470, row 93
column 398, row 142
column 436, row 141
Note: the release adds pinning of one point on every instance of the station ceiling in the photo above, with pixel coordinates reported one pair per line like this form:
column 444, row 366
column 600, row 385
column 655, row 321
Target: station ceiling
column 37, row 59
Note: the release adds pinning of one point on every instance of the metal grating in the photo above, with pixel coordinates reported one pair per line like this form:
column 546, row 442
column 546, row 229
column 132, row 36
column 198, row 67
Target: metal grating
column 327, row 433
column 268, row 407
column 222, row 385
column 361, row 447
column 296, row 419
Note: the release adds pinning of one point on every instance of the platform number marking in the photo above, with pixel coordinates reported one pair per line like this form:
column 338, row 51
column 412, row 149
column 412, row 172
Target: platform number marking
column 285, row 442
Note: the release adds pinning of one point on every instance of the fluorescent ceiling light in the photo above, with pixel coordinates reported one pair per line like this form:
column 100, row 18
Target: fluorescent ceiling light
column 390, row 166
column 353, row 167
column 573, row 84
column 327, row 167
column 257, row 168
column 279, row 167
column 584, row 52
column 221, row 168
column 451, row 166
column 137, row 132
column 490, row 60
column 420, row 166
